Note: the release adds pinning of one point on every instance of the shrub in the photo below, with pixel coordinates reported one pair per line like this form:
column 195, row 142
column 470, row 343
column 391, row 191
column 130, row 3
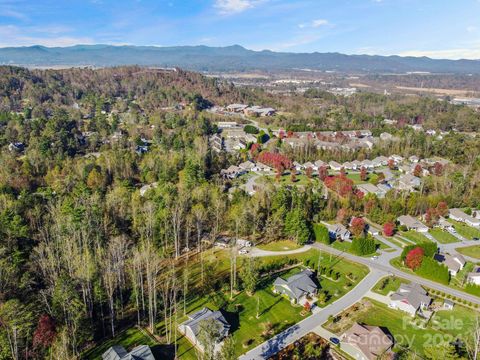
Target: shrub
column 321, row 234
column 473, row 289
column 363, row 246
column 250, row 129
column 432, row 270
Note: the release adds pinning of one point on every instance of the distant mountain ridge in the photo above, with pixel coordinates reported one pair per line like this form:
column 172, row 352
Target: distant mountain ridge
column 230, row 58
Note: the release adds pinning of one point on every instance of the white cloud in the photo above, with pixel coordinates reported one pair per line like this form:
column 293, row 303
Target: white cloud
column 235, row 6
column 11, row 35
column 314, row 24
column 454, row 54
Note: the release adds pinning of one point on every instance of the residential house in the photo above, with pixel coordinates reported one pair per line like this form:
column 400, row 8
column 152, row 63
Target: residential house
column 459, row 215
column 232, row 172
column 356, row 165
column 444, row 224
column 247, row 166
column 412, row 224
column 326, row 145
column 238, row 108
column 396, row 158
column 474, row 276
column 368, row 164
column 339, row 232
column 411, row 298
column 386, row 136
column 309, row 164
column 371, row 189
column 371, row 341
column 297, row 166
column 388, row 175
column 335, row 165
column 383, row 160
column 261, row 167
column 414, row 159
column 454, row 263
column 298, row 143
column 320, row 163
column 297, row 287
column 216, row 143
column 16, row 146
column 145, row 188
column 118, row 352
column 191, row 327
column 408, row 182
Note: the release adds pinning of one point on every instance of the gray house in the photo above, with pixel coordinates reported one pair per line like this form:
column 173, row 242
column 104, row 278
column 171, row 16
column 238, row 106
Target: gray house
column 296, row 287
column 191, row 327
column 118, row 352
column 410, row 298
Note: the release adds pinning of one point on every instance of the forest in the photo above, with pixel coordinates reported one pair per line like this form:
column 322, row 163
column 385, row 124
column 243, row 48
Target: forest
column 83, row 254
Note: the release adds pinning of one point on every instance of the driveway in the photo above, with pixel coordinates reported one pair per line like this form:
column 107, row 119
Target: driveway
column 256, row 252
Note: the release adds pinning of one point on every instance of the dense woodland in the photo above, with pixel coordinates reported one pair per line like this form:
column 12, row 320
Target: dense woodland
column 83, row 255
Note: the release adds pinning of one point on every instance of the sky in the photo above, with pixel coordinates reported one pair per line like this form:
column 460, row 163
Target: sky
column 435, row 28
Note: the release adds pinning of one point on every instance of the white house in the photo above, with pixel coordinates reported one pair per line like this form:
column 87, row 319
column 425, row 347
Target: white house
column 474, row 276
column 335, row 165
column 459, row 215
column 454, row 263
column 339, row 232
column 412, row 224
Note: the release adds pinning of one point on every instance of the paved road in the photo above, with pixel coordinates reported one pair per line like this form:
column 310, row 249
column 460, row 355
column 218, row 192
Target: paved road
column 297, row 331
column 383, row 264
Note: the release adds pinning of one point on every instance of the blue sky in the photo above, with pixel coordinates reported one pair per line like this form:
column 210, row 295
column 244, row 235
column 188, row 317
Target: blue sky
column 435, row 28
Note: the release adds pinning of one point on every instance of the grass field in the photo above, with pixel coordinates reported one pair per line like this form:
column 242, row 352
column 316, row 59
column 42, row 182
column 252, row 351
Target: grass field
column 275, row 312
column 445, row 325
column 414, row 236
column 473, row 251
column 466, row 231
column 301, row 179
column 355, row 176
column 387, row 284
column 282, row 245
column 346, row 246
column 443, row 236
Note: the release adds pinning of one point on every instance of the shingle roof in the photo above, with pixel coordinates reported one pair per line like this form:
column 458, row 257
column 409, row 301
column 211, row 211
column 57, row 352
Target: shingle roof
column 299, row 284
column 413, row 294
column 117, row 352
column 204, row 314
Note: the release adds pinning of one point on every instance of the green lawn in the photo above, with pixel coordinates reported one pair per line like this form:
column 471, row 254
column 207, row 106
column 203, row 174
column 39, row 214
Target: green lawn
column 473, row 251
column 128, row 339
column 387, row 284
column 414, row 236
column 465, row 230
column 355, row 176
column 282, row 245
column 301, row 179
column 442, row 236
column 411, row 333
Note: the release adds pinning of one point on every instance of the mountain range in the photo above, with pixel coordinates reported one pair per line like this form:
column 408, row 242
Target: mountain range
column 230, row 58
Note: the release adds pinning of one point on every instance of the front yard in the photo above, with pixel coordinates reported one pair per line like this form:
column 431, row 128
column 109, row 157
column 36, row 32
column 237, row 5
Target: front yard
column 466, row 231
column 472, row 251
column 283, row 245
column 414, row 236
column 387, row 284
column 442, row 236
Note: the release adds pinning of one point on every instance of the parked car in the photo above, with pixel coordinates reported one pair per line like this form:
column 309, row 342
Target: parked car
column 334, row 341
column 374, row 257
column 243, row 252
column 475, row 239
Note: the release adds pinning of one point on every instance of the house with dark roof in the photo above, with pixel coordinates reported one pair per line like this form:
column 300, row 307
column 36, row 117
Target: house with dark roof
column 297, row 287
column 412, row 224
column 191, row 327
column 410, row 298
column 372, row 341
column 454, row 263
column 338, row 232
column 118, row 352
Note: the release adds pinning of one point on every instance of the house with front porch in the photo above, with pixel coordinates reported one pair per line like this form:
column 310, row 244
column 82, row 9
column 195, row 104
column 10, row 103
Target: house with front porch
column 298, row 288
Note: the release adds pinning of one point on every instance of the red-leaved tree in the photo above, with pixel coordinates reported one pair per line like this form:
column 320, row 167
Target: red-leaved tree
column 391, row 164
column 363, row 174
column 442, row 208
column 414, row 258
column 322, row 173
column 275, row 160
column 357, row 226
column 309, row 172
column 438, row 169
column 417, row 171
column 45, row 332
column 389, row 229
column 340, row 184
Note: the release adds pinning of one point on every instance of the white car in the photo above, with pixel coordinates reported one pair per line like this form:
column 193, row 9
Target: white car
column 374, row 257
column 243, row 252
